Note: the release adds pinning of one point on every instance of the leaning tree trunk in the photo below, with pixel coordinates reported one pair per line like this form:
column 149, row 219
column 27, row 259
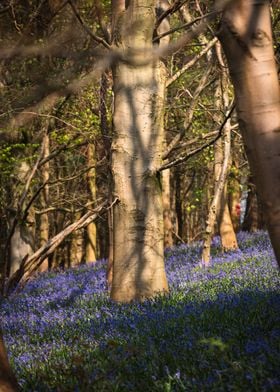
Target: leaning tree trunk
column 8, row 381
column 246, row 37
column 138, row 270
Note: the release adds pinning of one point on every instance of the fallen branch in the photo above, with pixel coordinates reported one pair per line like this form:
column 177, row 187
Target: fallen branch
column 30, row 264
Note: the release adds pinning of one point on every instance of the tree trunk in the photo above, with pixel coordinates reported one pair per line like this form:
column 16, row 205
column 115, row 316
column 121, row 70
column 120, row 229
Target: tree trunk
column 178, row 202
column 22, row 239
column 250, row 222
column 246, row 37
column 57, row 259
column 117, row 7
column 162, row 6
column 227, row 233
column 253, row 218
column 31, row 264
column 8, row 381
column 226, row 230
column 234, row 196
column 91, row 228
column 77, row 244
column 167, row 214
column 219, row 207
column 110, row 265
column 136, row 153
column 215, row 207
column 44, row 198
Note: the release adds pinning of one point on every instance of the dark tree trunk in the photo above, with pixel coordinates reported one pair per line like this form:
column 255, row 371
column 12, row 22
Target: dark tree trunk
column 8, row 381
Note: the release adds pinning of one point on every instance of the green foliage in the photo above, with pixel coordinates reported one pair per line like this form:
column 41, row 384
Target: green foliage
column 13, row 154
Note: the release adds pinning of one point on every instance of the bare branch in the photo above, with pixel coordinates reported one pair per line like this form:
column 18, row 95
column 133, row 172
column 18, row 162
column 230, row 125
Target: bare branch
column 101, row 20
column 186, row 157
column 171, row 10
column 191, row 62
column 87, row 29
column 190, row 112
column 132, row 56
column 183, row 26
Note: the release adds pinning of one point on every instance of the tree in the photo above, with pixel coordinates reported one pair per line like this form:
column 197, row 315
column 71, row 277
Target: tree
column 138, row 269
column 246, row 37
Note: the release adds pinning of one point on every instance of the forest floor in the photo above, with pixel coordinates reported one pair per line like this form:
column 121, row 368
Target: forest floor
column 217, row 330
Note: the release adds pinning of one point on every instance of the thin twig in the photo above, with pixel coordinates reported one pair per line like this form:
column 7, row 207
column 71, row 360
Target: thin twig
column 190, row 112
column 183, row 26
column 186, row 157
column 87, row 29
column 194, row 60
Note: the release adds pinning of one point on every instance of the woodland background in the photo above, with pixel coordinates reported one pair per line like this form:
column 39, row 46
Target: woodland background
column 55, row 163
column 119, row 138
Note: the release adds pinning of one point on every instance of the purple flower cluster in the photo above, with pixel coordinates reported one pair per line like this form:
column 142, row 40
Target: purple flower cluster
column 214, row 324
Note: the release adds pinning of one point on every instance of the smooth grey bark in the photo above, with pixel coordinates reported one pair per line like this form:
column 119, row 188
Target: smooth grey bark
column 22, row 245
column 77, row 243
column 223, row 151
column 226, row 230
column 22, row 241
column 138, row 268
column 167, row 213
column 246, row 37
column 91, row 243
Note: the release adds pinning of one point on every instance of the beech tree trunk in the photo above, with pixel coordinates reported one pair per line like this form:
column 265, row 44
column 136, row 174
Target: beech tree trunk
column 167, row 214
column 163, row 5
column 227, row 233
column 178, row 202
column 77, row 244
column 91, row 228
column 138, row 270
column 246, row 37
column 234, row 197
column 215, row 207
column 44, row 198
column 226, row 229
column 22, row 240
column 219, row 206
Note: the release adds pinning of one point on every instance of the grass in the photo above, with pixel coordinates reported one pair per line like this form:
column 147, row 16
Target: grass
column 217, row 330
